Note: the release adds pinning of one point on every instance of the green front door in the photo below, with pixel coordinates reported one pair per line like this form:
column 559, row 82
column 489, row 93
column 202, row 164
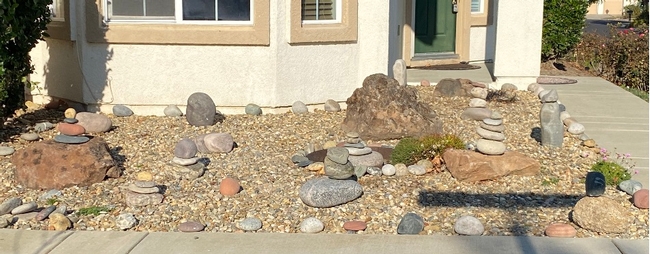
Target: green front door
column 435, row 27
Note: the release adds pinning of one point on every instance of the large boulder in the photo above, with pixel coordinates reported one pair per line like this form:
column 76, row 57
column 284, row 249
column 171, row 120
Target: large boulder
column 52, row 165
column 470, row 166
column 382, row 109
column 601, row 214
column 200, row 110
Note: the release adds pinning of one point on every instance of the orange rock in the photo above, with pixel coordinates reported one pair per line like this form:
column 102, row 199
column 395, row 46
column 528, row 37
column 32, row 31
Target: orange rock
column 560, row 230
column 354, row 225
column 640, row 198
column 229, row 187
column 425, row 83
column 70, row 129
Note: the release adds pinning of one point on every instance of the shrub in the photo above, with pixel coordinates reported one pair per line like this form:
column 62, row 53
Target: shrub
column 410, row 150
column 621, row 59
column 616, row 170
column 639, row 14
column 93, row 210
column 22, row 24
column 562, row 27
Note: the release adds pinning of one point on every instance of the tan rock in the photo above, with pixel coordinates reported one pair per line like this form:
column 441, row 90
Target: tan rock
column 601, row 214
column 59, row 222
column 560, row 230
column 316, row 166
column 329, row 144
column 144, row 176
column 589, row 143
column 70, row 113
column 470, row 166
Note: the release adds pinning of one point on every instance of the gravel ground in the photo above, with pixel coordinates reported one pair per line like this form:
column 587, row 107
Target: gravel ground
column 508, row 206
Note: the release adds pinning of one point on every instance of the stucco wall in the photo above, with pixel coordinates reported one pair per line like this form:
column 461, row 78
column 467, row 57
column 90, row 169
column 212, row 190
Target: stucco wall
column 149, row 77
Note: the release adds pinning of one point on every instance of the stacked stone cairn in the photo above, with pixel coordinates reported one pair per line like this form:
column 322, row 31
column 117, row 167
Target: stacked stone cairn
column 491, row 132
column 477, row 105
column 362, row 157
column 337, row 163
column 552, row 129
column 187, row 163
column 572, row 125
column 70, row 131
column 143, row 191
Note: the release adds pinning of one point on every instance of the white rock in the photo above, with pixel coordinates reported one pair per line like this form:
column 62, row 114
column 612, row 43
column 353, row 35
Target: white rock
column 417, row 170
column 185, row 162
column 477, row 103
column 576, row 128
column 479, row 92
column 359, row 151
column 490, row 147
column 311, row 225
column 388, row 170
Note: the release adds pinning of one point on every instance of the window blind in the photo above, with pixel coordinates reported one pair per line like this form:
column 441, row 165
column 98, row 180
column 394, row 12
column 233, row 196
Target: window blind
column 318, row 10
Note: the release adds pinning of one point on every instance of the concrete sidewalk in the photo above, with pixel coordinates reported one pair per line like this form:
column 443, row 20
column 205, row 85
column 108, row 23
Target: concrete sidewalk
column 615, row 118
column 66, row 242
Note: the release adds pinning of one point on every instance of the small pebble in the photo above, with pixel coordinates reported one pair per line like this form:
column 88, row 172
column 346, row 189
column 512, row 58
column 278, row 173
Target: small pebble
column 6, row 150
column 43, row 214
column 229, row 187
column 355, row 225
column 468, row 225
column 191, row 226
column 141, row 190
column 144, row 176
column 24, row 208
column 417, row 170
column 401, row 169
column 172, row 110
column 250, row 224
column 375, row 171
column 58, row 222
column 70, row 120
column 311, row 225
column 145, row 184
column 44, row 126
column 70, row 113
column 185, row 162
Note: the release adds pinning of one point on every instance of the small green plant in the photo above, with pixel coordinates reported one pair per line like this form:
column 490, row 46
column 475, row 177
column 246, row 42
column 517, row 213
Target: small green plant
column 410, row 150
column 550, row 181
column 614, row 170
column 93, row 210
column 52, row 201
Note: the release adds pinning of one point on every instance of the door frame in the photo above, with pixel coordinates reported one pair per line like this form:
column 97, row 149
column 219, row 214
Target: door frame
column 463, row 22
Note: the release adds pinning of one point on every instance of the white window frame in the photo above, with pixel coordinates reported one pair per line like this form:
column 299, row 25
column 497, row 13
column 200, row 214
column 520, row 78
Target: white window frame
column 338, row 12
column 481, row 7
column 178, row 16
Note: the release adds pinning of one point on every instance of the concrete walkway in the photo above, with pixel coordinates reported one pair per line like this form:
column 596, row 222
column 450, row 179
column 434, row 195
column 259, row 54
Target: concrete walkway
column 67, row 242
column 615, row 118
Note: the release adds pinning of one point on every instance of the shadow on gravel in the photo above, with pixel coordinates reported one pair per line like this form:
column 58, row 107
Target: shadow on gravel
column 119, row 159
column 11, row 128
column 507, row 201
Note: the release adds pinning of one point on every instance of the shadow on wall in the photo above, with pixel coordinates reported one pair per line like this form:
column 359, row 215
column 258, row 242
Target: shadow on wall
column 76, row 71
column 491, row 37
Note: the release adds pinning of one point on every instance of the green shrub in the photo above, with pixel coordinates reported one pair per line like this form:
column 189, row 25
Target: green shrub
column 639, row 14
column 410, row 150
column 562, row 27
column 93, row 210
column 22, row 24
column 614, row 173
column 621, row 59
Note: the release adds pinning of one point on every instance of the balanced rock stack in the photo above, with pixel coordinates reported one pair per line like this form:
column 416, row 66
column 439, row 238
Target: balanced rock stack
column 335, row 189
column 361, row 156
column 491, row 132
column 550, row 121
column 477, row 105
column 143, row 192
column 186, row 161
column 70, row 131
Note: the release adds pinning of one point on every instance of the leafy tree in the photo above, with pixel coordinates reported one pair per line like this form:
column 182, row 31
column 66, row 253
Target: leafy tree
column 562, row 28
column 22, row 24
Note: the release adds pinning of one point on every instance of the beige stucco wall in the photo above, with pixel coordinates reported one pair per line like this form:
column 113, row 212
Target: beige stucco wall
column 150, row 77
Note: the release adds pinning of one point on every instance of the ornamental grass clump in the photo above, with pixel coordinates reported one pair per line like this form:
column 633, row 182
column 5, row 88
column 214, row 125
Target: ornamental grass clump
column 410, row 150
column 615, row 170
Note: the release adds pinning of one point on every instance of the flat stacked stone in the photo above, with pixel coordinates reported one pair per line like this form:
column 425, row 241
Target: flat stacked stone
column 477, row 105
column 337, row 166
column 187, row 164
column 143, row 191
column 361, row 156
column 491, row 132
column 70, row 132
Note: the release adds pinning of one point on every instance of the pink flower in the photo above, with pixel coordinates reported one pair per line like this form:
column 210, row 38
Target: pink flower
column 604, row 158
column 603, row 150
column 636, row 171
column 641, row 35
column 627, row 155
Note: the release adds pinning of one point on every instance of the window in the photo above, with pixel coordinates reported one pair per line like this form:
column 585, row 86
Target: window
column 477, row 6
column 318, row 21
column 178, row 22
column 59, row 28
column 179, row 11
column 320, row 11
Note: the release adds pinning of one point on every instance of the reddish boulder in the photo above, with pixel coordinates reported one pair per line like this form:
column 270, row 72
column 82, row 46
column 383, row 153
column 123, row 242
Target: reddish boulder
column 70, row 129
column 382, row 109
column 640, row 198
column 470, row 166
column 52, row 165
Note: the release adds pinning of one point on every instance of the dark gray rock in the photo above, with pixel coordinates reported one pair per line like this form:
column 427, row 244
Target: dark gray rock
column 595, row 184
column 70, row 120
column 552, row 128
column 325, row 192
column 411, row 224
column 44, row 213
column 121, row 110
column 185, row 149
column 253, row 109
column 201, row 110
